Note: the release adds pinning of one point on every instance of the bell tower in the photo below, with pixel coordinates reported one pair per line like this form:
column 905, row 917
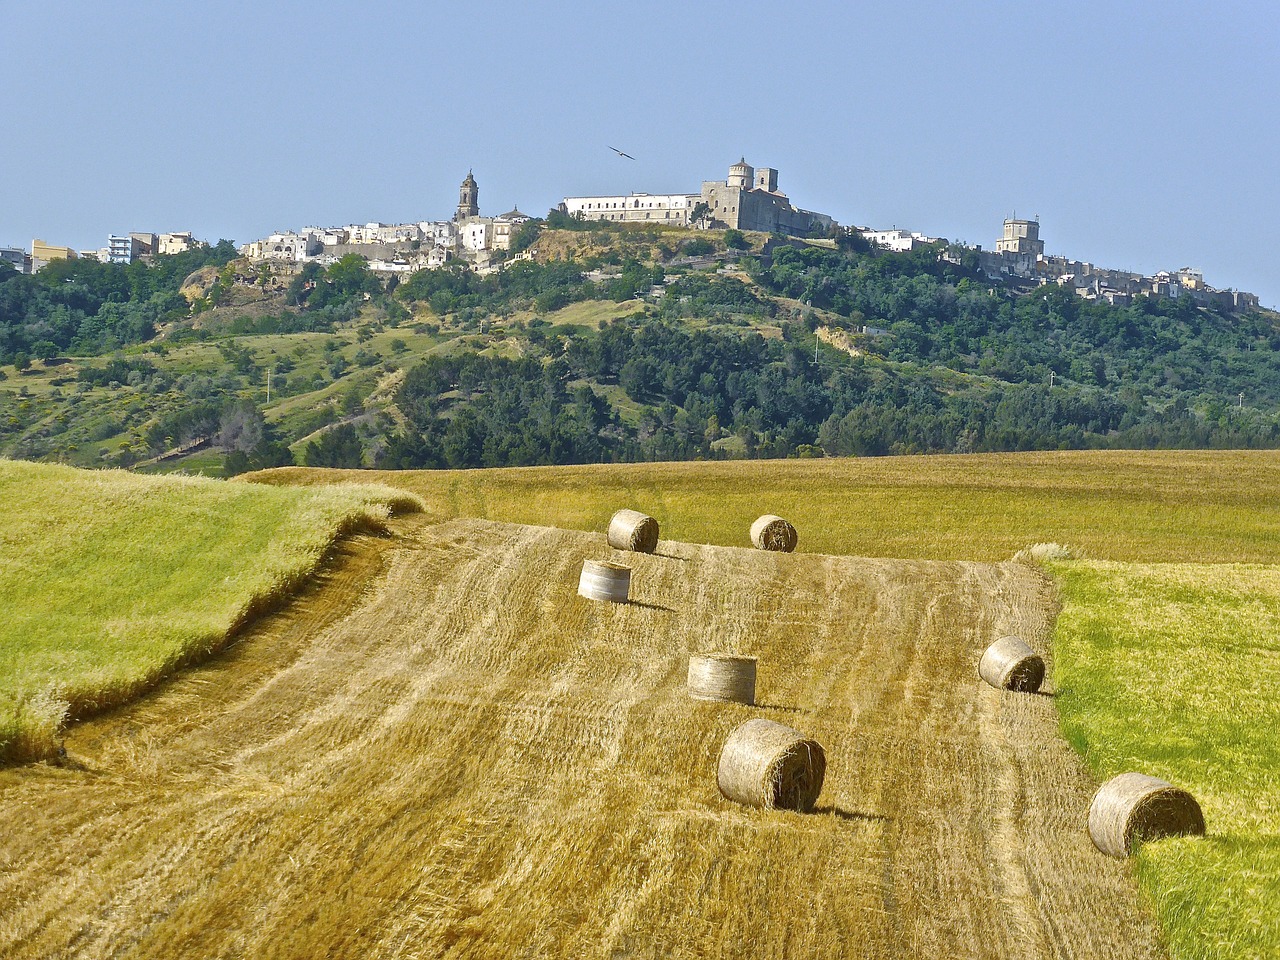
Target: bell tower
column 468, row 199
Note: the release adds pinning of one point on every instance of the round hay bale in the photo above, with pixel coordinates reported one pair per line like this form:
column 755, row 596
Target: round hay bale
column 633, row 530
column 769, row 765
column 773, row 533
column 602, row 580
column 1010, row 664
column 722, row 676
column 1133, row 807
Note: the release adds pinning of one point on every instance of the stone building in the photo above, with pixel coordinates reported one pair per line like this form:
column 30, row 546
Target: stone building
column 747, row 199
column 289, row 246
column 1022, row 237
column 505, row 227
column 43, row 253
column 172, row 243
column 468, row 199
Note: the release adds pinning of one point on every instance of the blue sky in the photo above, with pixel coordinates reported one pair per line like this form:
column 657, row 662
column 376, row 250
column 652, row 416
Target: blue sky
column 1144, row 136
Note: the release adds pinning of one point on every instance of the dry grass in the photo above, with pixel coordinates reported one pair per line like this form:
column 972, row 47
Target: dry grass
column 446, row 753
column 633, row 530
column 1158, row 506
column 474, row 763
column 1170, row 667
column 112, row 580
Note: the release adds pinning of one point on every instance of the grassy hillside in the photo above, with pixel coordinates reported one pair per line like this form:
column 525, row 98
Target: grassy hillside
column 110, row 580
column 614, row 345
column 1211, row 506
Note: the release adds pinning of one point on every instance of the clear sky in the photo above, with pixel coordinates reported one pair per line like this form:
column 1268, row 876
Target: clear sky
column 1144, row 136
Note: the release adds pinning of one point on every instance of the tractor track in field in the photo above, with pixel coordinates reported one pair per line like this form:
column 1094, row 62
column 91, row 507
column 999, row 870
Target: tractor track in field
column 439, row 750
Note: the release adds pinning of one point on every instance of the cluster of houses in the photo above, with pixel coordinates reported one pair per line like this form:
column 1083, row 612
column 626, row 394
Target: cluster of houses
column 1019, row 259
column 125, row 248
column 401, row 247
column 748, row 199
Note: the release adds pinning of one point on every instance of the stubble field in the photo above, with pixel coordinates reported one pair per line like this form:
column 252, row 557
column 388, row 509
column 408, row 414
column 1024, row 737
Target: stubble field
column 441, row 751
column 445, row 752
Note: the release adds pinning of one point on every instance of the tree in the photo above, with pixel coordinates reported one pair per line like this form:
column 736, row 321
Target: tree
column 736, row 240
column 526, row 236
column 339, row 447
column 241, row 427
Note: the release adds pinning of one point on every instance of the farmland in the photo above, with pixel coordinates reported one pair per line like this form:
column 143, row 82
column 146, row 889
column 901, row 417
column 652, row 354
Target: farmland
column 461, row 758
column 1173, row 669
column 1155, row 506
column 440, row 750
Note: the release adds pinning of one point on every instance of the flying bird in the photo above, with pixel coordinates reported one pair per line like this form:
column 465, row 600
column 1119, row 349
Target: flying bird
column 621, row 154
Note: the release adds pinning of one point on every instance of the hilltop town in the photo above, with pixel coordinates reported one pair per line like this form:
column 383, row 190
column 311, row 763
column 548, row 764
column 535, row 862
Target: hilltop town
column 748, row 199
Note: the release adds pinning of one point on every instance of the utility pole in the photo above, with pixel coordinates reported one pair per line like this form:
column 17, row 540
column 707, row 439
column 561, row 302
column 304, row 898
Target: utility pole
column 268, row 385
column 1241, row 400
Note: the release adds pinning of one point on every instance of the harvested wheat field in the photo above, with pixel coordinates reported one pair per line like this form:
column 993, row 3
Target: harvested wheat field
column 441, row 750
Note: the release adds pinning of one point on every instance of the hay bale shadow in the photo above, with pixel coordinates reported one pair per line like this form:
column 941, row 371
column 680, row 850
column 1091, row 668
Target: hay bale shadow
column 650, row 606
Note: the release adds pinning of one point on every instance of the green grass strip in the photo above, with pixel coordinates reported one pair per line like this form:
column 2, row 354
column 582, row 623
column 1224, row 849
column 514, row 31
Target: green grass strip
column 1174, row 670
column 110, row 580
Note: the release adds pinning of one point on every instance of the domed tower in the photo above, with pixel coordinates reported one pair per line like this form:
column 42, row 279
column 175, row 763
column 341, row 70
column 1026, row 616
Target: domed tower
column 740, row 175
column 468, row 198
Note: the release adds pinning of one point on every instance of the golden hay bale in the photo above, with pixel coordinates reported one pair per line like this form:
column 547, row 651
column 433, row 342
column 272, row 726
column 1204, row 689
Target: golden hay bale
column 602, row 580
column 1010, row 664
column 769, row 765
column 722, row 676
column 633, row 530
column 773, row 533
column 1133, row 807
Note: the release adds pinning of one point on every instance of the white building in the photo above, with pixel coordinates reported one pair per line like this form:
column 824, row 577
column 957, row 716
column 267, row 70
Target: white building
column 477, row 234
column 506, row 226
column 396, row 265
column 17, row 258
column 293, row 247
column 171, row 243
column 384, row 233
column 897, row 241
column 329, row 236
column 672, row 208
column 439, row 232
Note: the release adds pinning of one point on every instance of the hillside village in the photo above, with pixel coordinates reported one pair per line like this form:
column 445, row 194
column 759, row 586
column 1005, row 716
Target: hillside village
column 748, row 199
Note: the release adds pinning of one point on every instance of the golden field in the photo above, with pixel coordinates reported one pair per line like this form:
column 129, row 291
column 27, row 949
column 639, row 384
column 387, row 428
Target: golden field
column 1211, row 506
column 459, row 757
column 439, row 750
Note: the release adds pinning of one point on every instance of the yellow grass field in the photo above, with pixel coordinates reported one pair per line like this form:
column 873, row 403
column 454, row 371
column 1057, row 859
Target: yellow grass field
column 438, row 750
column 445, row 752
column 1157, row 506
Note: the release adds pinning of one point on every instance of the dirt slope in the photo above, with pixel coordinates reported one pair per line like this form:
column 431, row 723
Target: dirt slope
column 443, row 752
